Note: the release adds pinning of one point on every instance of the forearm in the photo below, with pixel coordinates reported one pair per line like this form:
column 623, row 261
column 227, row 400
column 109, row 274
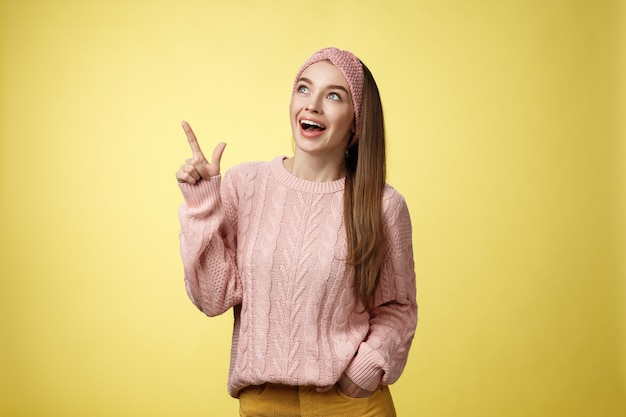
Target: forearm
column 383, row 354
column 207, row 248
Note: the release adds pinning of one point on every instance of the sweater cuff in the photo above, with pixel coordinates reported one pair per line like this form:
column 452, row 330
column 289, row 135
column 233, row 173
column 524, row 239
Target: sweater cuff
column 364, row 370
column 201, row 192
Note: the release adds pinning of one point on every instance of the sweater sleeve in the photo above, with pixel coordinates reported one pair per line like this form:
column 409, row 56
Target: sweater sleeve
column 381, row 357
column 208, row 244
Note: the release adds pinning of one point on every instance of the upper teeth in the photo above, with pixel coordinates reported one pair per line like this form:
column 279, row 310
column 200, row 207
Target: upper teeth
column 308, row 122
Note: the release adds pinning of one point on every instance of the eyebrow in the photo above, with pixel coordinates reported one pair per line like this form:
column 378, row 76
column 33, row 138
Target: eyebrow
column 329, row 87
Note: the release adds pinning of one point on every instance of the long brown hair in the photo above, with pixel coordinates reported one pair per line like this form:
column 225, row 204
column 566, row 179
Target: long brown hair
column 365, row 183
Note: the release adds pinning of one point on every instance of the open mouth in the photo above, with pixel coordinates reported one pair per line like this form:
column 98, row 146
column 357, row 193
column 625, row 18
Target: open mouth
column 310, row 125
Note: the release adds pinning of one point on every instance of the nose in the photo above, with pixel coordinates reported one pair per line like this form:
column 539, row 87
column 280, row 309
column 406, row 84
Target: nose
column 313, row 104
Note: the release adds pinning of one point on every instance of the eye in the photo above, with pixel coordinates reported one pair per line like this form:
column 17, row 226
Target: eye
column 334, row 96
column 303, row 89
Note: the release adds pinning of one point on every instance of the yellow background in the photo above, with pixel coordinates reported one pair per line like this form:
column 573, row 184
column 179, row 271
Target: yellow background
column 506, row 135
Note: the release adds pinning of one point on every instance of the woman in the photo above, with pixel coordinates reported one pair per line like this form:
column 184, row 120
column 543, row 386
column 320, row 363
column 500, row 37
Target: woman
column 312, row 252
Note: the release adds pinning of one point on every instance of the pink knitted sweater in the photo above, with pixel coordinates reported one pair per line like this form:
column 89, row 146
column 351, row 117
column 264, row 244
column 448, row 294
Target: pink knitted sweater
column 271, row 245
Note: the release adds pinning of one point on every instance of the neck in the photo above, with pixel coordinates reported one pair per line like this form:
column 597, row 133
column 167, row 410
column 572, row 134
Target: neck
column 314, row 169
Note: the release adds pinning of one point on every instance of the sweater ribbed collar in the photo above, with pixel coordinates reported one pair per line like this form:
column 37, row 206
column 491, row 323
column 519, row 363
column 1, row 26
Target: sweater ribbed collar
column 288, row 179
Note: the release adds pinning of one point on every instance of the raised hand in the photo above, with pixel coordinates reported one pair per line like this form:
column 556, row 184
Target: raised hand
column 198, row 167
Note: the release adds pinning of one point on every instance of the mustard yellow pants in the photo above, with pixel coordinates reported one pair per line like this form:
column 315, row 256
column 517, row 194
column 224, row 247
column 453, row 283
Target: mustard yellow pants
column 271, row 400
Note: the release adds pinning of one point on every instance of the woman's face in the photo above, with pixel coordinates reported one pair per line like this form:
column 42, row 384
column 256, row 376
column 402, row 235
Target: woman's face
column 322, row 115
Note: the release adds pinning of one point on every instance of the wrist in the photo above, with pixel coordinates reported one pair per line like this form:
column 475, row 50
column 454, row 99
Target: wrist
column 349, row 388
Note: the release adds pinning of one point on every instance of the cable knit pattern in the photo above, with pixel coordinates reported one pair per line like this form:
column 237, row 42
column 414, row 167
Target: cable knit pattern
column 271, row 245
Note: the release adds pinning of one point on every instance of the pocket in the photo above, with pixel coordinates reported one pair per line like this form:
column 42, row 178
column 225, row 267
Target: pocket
column 379, row 404
column 252, row 401
column 346, row 396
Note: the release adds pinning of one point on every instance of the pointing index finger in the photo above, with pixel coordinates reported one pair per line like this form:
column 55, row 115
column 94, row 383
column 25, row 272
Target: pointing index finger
column 193, row 142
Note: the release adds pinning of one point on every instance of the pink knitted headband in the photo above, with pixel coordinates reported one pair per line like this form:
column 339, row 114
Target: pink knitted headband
column 352, row 70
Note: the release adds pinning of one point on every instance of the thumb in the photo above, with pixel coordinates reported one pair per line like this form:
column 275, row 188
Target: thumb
column 217, row 154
